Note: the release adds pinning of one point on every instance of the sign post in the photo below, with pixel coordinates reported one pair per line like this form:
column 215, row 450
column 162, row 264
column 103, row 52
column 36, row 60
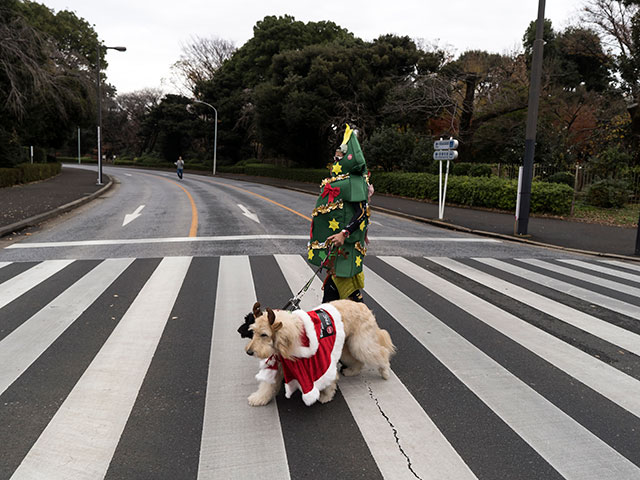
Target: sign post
column 444, row 150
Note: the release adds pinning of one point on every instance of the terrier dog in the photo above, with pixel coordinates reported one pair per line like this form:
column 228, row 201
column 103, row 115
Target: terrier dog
column 303, row 349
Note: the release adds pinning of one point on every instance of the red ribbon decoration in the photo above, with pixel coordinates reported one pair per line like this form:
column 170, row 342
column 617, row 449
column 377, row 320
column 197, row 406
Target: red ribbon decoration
column 333, row 192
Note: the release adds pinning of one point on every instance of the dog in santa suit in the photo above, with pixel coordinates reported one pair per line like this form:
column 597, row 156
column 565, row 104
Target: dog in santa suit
column 303, row 348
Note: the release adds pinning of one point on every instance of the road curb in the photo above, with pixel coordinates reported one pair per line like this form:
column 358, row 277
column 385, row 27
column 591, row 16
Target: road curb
column 460, row 228
column 36, row 219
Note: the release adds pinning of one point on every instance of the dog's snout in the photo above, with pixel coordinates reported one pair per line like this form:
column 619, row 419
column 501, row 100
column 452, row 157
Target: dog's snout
column 250, row 352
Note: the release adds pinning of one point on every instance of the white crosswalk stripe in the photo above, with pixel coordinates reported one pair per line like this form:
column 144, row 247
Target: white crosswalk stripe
column 568, row 288
column 436, row 310
column 12, row 289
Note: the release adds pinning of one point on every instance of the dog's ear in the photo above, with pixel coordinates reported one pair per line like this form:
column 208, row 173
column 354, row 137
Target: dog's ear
column 271, row 316
column 244, row 330
column 276, row 326
column 256, row 310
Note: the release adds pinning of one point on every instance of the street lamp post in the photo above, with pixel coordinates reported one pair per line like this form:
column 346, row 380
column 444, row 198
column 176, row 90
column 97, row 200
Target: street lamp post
column 120, row 49
column 215, row 132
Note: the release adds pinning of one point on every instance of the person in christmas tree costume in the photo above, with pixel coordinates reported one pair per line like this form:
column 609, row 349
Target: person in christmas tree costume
column 340, row 220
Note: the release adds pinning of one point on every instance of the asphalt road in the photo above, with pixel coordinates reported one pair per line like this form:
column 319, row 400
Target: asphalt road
column 202, row 216
column 119, row 357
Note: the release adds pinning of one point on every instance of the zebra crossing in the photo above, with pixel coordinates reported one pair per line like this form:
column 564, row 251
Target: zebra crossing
column 132, row 368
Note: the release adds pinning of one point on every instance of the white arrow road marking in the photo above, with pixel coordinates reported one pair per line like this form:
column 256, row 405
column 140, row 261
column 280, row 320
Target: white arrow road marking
column 130, row 217
column 128, row 175
column 247, row 213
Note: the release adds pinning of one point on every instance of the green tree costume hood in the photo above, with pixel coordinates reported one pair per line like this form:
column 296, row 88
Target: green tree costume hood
column 347, row 185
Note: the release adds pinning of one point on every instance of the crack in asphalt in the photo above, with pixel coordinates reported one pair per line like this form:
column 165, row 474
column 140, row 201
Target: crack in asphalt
column 393, row 428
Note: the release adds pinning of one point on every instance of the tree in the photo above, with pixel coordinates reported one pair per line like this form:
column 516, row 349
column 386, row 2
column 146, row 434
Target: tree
column 200, row 60
column 45, row 81
column 618, row 23
column 168, row 128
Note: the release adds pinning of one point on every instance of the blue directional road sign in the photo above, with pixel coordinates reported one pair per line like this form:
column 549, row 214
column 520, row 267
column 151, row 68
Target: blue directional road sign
column 445, row 155
column 450, row 144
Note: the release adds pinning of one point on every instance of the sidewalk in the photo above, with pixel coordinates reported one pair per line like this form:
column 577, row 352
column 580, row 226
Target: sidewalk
column 26, row 205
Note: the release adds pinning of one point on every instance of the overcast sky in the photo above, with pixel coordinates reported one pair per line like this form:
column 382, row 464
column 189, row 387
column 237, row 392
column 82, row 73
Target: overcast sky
column 154, row 31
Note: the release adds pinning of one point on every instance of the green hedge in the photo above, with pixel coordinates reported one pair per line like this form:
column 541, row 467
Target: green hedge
column 487, row 192
column 273, row 171
column 28, row 172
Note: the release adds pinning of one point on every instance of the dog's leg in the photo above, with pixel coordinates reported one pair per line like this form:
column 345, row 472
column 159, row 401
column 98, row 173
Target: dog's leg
column 352, row 365
column 328, row 393
column 266, row 391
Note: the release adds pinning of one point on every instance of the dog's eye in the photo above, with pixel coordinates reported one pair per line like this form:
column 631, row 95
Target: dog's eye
column 264, row 335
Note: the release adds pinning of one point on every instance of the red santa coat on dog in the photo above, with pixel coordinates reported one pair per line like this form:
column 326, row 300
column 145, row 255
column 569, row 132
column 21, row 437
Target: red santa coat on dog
column 315, row 365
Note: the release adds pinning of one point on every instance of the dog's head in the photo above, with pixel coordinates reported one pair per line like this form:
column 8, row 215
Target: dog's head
column 263, row 343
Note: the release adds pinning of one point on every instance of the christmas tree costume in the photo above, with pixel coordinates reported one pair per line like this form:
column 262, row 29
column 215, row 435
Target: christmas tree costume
column 342, row 202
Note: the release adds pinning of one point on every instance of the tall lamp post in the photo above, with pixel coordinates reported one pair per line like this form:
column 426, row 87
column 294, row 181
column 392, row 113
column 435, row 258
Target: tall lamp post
column 215, row 133
column 120, row 49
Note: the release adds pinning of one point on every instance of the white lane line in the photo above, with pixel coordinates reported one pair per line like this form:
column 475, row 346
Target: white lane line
column 130, row 217
column 20, row 284
column 228, row 238
column 610, row 382
column 231, row 427
column 247, row 213
column 601, row 269
column 572, row 450
column 414, row 427
column 566, row 288
column 80, row 440
column 603, row 282
column 605, row 330
column 25, row 344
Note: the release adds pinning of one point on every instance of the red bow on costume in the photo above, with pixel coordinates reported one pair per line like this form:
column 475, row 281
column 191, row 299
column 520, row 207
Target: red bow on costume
column 333, row 192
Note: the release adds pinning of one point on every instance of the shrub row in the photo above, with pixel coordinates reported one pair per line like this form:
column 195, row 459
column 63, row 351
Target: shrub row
column 487, row 192
column 273, row 171
column 28, row 172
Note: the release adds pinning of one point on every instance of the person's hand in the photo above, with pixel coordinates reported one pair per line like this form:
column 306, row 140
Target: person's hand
column 337, row 239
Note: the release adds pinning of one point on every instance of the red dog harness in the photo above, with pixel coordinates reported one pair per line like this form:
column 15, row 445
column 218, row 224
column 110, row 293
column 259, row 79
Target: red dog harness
column 315, row 365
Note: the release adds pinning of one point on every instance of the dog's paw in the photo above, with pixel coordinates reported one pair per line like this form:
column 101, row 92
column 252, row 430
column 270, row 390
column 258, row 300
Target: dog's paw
column 351, row 371
column 257, row 399
column 327, row 395
column 384, row 372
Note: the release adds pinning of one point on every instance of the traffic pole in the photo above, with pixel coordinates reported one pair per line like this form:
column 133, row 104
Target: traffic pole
column 532, row 120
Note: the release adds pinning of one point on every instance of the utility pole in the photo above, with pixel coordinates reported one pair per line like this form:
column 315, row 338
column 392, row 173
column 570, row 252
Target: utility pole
column 532, row 120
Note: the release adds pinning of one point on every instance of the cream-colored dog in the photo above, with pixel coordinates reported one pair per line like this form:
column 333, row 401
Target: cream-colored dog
column 284, row 340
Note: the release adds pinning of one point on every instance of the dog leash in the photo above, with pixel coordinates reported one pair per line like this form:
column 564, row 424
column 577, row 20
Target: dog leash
column 294, row 302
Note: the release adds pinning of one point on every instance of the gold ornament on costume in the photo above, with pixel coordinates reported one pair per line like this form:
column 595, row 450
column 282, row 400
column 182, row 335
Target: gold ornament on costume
column 316, row 245
column 333, row 179
column 330, row 207
column 363, row 250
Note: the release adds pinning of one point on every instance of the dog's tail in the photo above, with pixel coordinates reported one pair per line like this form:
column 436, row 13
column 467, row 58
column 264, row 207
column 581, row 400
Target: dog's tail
column 384, row 339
